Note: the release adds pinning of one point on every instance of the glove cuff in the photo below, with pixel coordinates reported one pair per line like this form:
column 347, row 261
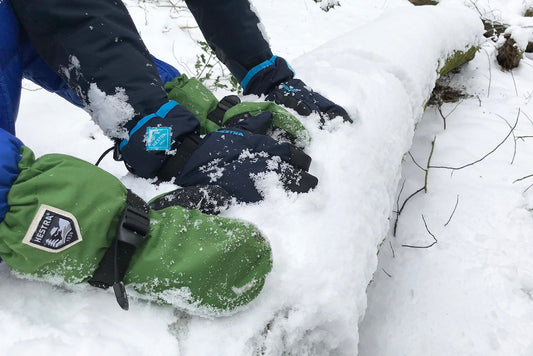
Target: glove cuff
column 264, row 76
column 151, row 141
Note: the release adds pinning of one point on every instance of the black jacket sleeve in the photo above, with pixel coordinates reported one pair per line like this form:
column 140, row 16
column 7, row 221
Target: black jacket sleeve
column 94, row 42
column 231, row 28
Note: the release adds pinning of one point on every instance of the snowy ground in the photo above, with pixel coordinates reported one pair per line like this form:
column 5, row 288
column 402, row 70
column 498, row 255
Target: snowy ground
column 471, row 293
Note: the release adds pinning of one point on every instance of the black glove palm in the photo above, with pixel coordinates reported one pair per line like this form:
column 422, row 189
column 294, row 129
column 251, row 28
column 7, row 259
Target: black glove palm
column 233, row 157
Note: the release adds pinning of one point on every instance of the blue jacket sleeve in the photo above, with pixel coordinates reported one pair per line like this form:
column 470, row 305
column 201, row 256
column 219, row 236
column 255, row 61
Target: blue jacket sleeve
column 9, row 159
column 36, row 70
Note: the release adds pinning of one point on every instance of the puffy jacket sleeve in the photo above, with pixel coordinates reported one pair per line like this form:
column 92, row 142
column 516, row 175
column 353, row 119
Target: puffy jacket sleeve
column 93, row 46
column 9, row 159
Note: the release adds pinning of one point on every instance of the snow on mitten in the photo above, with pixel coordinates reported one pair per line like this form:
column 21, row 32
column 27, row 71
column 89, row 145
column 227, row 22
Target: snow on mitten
column 71, row 222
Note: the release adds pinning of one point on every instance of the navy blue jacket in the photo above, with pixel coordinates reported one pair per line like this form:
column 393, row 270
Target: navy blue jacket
column 18, row 59
column 56, row 28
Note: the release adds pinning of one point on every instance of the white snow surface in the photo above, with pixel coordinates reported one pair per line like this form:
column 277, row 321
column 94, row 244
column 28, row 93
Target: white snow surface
column 330, row 293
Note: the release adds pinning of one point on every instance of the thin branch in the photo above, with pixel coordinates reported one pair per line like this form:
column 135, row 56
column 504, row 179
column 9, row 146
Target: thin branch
column 490, row 72
column 442, row 115
column 392, row 249
column 429, row 232
column 488, row 154
column 514, row 82
column 514, row 136
column 526, row 177
column 403, row 206
column 398, row 198
column 453, row 212
column 429, row 164
column 527, row 117
column 387, row 273
column 415, row 162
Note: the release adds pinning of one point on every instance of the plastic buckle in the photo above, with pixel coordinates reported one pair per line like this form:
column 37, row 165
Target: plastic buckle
column 134, row 226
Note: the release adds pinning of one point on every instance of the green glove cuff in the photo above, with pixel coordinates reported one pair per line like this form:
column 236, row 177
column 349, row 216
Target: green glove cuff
column 80, row 202
column 192, row 94
column 200, row 101
column 282, row 119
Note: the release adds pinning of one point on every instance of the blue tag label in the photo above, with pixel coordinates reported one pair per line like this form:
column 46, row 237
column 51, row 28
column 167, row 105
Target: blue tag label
column 158, row 138
column 232, row 132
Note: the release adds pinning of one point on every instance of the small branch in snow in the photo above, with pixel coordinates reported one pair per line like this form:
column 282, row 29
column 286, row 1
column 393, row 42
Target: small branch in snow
column 429, row 165
column 490, row 72
column 514, row 136
column 401, row 209
column 415, row 162
column 488, row 154
column 523, row 178
column 429, row 232
column 514, row 83
column 453, row 212
column 387, row 273
column 424, row 188
column 392, row 249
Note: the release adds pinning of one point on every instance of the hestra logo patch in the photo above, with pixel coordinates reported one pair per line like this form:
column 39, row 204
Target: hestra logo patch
column 158, row 138
column 53, row 230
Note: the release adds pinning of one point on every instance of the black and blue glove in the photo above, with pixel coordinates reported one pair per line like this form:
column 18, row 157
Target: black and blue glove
column 154, row 139
column 235, row 157
column 167, row 145
column 275, row 79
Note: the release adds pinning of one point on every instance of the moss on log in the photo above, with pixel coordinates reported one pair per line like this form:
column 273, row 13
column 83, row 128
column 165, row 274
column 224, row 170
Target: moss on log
column 457, row 59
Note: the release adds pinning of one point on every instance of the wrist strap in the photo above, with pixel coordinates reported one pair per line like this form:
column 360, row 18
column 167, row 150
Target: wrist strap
column 173, row 166
column 223, row 105
column 132, row 232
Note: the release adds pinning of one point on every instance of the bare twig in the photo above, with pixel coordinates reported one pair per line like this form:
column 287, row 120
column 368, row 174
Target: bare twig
column 415, row 162
column 387, row 273
column 444, row 117
column 526, row 177
column 403, row 206
column 488, row 154
column 453, row 212
column 392, row 249
column 429, row 164
column 490, row 72
column 429, row 232
column 514, row 82
column 514, row 136
column 398, row 198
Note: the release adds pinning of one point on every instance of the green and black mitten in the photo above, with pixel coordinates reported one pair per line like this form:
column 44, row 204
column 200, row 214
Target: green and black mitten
column 214, row 114
column 71, row 222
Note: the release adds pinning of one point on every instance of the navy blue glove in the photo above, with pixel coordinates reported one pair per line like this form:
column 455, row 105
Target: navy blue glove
column 155, row 138
column 274, row 78
column 233, row 157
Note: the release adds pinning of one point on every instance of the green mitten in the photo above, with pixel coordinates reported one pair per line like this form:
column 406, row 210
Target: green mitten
column 71, row 222
column 213, row 114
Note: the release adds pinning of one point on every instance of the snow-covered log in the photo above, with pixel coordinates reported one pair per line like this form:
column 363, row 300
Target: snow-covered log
column 324, row 243
column 383, row 73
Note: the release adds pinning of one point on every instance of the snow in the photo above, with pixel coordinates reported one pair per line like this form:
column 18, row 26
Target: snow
column 471, row 293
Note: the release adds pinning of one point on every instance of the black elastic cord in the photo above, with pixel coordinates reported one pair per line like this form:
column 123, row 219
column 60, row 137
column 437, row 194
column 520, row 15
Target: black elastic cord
column 103, row 155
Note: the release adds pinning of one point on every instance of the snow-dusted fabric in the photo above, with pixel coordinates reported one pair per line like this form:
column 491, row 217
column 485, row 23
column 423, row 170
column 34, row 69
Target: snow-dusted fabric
column 9, row 158
column 233, row 30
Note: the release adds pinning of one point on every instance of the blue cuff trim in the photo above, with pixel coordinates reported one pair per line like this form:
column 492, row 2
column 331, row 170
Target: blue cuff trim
column 252, row 72
column 161, row 112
